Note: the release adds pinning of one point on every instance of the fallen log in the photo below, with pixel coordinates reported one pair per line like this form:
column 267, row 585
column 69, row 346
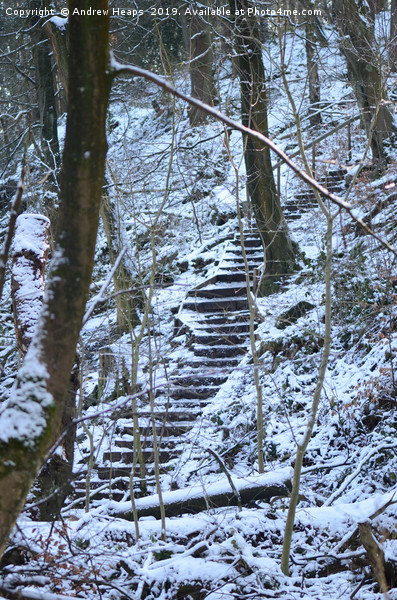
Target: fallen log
column 198, row 498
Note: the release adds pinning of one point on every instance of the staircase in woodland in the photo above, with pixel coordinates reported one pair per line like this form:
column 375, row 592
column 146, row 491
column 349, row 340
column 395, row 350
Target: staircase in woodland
column 213, row 324
column 306, row 200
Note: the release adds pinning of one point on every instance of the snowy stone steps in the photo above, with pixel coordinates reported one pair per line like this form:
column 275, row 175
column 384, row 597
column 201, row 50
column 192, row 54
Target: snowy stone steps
column 232, row 318
column 232, row 277
column 191, row 392
column 170, row 415
column 196, row 379
column 220, row 305
column 251, row 242
column 216, row 338
column 213, row 363
column 253, row 255
column 305, row 200
column 215, row 320
column 172, row 432
column 175, row 392
column 224, row 351
column 223, row 291
column 222, row 331
column 126, row 457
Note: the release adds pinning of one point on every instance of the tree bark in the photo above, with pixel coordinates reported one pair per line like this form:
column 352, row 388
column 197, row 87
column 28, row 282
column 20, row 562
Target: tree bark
column 58, row 40
column 126, row 303
column 364, row 71
column 201, row 77
column 32, row 418
column 279, row 252
column 313, row 77
column 45, row 88
column 393, row 36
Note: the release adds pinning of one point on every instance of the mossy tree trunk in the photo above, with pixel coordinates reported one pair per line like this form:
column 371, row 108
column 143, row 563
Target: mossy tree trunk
column 358, row 45
column 32, row 419
column 279, row 252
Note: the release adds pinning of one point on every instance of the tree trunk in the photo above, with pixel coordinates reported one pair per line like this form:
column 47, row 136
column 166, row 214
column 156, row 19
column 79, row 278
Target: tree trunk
column 31, row 249
column 313, row 77
column 393, row 36
column 364, row 71
column 32, row 418
column 58, row 40
column 201, row 77
column 279, row 252
column 45, row 87
column 126, row 302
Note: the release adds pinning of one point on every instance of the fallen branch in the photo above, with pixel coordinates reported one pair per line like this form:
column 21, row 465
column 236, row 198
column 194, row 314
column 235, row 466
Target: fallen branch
column 375, row 555
column 192, row 500
column 31, row 594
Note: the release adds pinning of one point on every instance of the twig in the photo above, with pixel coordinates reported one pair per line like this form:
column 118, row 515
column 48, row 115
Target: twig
column 229, row 477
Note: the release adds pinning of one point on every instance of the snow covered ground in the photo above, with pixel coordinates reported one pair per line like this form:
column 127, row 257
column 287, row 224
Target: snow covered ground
column 350, row 467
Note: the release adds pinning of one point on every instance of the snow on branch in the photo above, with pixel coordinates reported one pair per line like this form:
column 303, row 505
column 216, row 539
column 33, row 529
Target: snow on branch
column 30, row 252
column 196, row 499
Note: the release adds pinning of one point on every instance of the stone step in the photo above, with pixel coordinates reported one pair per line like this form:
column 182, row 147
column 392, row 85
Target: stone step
column 196, row 379
column 231, row 277
column 220, row 305
column 253, row 243
column 219, row 351
column 213, row 363
column 115, row 489
column 250, row 253
column 293, row 216
column 174, row 392
column 107, row 473
column 237, row 262
column 168, row 433
column 225, row 319
column 300, row 206
column 221, row 291
column 224, row 329
column 170, row 416
column 216, row 339
column 127, row 456
column 191, row 392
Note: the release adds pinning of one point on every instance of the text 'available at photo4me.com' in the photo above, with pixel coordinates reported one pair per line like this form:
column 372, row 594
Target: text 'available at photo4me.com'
column 163, row 11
